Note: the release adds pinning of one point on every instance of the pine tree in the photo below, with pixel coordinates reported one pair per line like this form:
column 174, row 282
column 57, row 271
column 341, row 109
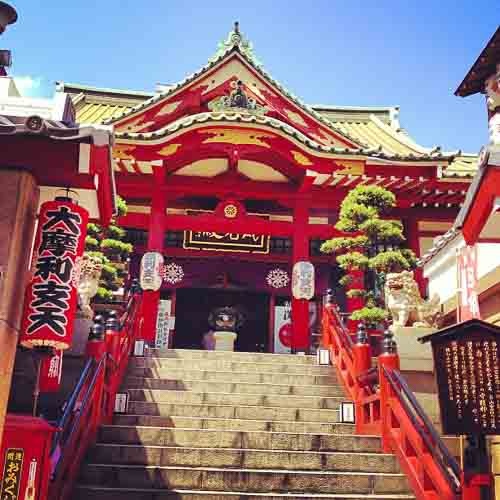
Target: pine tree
column 109, row 245
column 375, row 246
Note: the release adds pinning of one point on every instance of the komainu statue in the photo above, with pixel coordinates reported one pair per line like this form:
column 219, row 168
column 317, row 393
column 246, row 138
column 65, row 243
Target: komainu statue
column 89, row 272
column 407, row 307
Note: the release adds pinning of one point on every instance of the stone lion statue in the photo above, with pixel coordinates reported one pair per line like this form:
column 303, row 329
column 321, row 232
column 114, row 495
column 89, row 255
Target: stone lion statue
column 89, row 272
column 407, row 307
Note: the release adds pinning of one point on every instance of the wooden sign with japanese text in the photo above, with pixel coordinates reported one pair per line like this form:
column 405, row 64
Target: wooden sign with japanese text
column 226, row 242
column 467, row 365
column 11, row 477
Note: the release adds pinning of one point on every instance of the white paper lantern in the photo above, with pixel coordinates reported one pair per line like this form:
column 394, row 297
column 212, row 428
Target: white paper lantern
column 151, row 265
column 303, row 280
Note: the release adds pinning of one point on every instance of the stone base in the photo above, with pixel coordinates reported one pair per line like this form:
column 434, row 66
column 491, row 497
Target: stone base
column 413, row 355
column 224, row 341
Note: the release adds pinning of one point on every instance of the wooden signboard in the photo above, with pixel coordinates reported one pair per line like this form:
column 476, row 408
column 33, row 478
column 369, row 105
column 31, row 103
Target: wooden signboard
column 467, row 366
column 226, row 242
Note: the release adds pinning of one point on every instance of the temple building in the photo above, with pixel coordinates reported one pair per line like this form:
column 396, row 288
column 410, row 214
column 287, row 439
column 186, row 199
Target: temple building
column 234, row 180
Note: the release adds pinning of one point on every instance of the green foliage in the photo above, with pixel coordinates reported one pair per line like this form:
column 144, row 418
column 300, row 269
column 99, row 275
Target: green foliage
column 391, row 261
column 353, row 261
column 356, row 292
column 121, row 206
column 93, row 230
column 361, row 213
column 340, row 244
column 372, row 316
column 106, row 243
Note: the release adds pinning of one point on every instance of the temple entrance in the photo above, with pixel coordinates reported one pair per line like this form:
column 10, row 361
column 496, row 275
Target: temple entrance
column 193, row 306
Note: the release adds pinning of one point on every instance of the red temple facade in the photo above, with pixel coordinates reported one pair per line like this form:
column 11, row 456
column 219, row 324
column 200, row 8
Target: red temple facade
column 234, row 180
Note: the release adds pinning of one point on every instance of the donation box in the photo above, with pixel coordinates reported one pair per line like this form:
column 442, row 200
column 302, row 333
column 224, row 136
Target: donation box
column 24, row 460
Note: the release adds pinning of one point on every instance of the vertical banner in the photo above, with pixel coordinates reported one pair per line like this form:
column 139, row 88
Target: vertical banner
column 468, row 306
column 51, row 296
column 163, row 323
column 283, row 327
column 50, row 372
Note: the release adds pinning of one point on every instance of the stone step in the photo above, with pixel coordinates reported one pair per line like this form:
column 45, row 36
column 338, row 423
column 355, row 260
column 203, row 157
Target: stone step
column 231, row 387
column 247, row 480
column 208, row 438
column 84, row 492
column 234, row 376
column 221, row 398
column 249, row 357
column 242, row 458
column 225, row 364
column 234, row 424
column 235, row 411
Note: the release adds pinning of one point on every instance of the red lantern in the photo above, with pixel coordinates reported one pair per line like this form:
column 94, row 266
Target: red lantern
column 51, row 297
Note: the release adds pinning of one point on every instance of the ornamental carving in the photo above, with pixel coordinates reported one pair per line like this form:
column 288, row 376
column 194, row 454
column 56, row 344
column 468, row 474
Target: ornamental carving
column 230, row 211
column 173, row 273
column 237, row 101
column 492, row 89
column 277, row 278
column 87, row 274
column 407, row 307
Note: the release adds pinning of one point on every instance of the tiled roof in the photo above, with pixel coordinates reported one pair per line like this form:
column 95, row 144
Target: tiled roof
column 374, row 127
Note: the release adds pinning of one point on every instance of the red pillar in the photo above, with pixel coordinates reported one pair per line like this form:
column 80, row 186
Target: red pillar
column 411, row 233
column 301, row 339
column 156, row 232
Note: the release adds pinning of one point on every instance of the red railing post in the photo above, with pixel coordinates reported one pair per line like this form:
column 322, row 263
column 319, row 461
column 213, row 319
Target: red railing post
column 362, row 361
column 112, row 339
column 389, row 359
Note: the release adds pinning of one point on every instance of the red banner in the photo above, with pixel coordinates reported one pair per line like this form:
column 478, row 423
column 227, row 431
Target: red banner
column 50, row 372
column 468, row 306
column 51, row 297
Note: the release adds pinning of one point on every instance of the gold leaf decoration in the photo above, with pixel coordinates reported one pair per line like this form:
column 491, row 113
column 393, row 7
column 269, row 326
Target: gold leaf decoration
column 236, row 136
column 136, row 125
column 295, row 117
column 168, row 108
column 350, row 167
column 169, row 150
column 121, row 152
column 301, row 159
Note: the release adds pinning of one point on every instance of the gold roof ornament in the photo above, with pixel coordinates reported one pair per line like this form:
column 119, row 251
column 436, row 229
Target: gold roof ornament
column 236, row 39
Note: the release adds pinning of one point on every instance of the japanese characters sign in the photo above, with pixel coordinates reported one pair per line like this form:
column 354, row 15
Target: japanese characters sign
column 11, row 478
column 226, row 242
column 50, row 372
column 467, row 283
column 467, row 364
column 51, row 296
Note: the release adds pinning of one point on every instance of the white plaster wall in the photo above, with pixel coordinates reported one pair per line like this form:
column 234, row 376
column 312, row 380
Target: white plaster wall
column 441, row 271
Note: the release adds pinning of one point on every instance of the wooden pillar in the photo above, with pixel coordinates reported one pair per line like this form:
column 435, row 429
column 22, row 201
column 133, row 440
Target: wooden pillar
column 18, row 206
column 413, row 241
column 301, row 336
column 156, row 233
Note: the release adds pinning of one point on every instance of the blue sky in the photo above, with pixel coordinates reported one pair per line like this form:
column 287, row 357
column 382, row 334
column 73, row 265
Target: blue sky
column 407, row 53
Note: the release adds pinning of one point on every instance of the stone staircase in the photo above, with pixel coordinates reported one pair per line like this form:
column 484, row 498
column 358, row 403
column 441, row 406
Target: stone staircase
column 206, row 425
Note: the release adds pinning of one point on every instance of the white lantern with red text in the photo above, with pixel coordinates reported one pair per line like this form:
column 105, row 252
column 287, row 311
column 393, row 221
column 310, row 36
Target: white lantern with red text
column 303, row 280
column 151, row 269
column 51, row 296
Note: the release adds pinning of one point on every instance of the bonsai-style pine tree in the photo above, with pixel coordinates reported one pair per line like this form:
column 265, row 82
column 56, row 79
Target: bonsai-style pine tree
column 108, row 244
column 374, row 245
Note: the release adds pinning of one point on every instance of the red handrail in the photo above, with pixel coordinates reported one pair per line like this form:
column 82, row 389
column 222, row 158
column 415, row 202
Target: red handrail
column 390, row 410
column 97, row 395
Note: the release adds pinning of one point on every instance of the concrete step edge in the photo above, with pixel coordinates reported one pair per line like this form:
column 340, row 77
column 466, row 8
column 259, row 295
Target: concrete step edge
column 339, row 496
column 359, row 436
column 252, row 450
column 249, row 471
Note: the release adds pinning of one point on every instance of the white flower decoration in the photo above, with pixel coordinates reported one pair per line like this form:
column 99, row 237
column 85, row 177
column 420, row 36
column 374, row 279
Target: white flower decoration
column 173, row 273
column 277, row 278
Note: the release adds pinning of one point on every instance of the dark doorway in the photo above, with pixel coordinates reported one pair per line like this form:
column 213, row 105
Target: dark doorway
column 193, row 306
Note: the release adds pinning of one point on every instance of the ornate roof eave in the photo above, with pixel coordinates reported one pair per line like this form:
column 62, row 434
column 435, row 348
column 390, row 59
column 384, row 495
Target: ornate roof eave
column 211, row 65
column 249, row 119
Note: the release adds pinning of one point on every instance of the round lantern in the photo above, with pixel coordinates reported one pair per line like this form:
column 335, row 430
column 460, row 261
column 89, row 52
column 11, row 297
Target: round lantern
column 303, row 280
column 51, row 296
column 151, row 266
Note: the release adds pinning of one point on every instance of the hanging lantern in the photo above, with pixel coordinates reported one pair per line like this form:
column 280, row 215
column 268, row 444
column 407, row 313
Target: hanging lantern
column 51, row 297
column 303, row 280
column 151, row 268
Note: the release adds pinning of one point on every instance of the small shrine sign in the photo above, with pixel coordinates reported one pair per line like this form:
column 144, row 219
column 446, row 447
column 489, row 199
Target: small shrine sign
column 467, row 366
column 226, row 242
